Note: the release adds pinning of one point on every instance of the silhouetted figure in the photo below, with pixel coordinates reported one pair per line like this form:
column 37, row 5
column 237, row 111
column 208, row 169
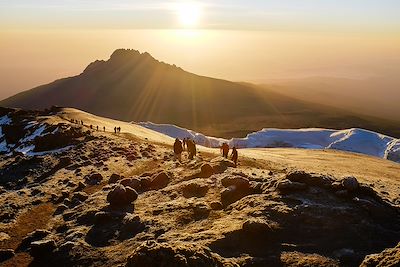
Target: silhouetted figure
column 115, row 129
column 82, row 122
column 178, row 149
column 119, row 129
column 97, row 128
column 104, row 128
column 234, row 156
column 91, row 126
column 191, row 147
column 225, row 150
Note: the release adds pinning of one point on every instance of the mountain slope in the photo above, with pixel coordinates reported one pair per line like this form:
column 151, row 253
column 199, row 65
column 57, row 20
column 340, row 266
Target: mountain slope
column 99, row 198
column 132, row 86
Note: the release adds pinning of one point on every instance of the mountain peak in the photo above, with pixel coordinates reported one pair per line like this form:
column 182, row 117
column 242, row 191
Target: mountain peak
column 127, row 54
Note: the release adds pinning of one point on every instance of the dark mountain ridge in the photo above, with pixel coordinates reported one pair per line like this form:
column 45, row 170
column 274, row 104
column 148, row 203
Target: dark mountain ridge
column 133, row 86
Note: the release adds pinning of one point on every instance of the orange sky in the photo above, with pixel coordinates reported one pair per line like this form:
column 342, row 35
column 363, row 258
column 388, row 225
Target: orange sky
column 33, row 57
column 239, row 40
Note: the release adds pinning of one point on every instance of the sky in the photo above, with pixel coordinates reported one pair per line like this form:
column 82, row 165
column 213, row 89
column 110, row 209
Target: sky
column 241, row 40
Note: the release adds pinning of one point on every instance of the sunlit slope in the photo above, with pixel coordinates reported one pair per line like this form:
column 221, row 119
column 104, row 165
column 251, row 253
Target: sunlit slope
column 133, row 86
column 384, row 174
column 109, row 124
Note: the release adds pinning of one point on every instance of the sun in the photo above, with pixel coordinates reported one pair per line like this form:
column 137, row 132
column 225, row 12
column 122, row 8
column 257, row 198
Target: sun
column 189, row 14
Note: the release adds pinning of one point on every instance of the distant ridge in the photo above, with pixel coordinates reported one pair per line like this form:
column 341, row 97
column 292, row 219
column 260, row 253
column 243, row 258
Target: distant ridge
column 134, row 86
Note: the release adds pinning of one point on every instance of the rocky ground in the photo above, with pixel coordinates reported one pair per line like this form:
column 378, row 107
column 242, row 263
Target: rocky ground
column 75, row 196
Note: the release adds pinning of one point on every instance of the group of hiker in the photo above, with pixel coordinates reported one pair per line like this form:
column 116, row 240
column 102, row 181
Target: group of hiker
column 225, row 151
column 92, row 127
column 190, row 145
column 80, row 122
column 186, row 144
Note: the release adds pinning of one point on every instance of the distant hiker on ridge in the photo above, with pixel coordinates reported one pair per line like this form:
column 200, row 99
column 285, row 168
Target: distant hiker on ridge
column 97, row 128
column 234, row 156
column 225, row 150
column 104, row 128
column 178, row 149
column 115, row 129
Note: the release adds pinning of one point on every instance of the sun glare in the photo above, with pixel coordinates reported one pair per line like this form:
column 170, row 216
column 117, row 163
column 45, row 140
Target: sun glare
column 189, row 14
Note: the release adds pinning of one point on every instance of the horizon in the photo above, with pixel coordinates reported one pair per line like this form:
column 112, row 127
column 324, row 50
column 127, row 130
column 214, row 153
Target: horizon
column 268, row 40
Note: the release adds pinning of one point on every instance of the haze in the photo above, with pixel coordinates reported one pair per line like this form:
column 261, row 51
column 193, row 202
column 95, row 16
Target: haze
column 261, row 41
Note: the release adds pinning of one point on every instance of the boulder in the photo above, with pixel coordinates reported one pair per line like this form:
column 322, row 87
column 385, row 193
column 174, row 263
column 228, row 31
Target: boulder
column 159, row 180
column 237, row 181
column 42, row 248
column 350, row 184
column 206, row 170
column 194, row 190
column 131, row 182
column 31, row 237
column 121, row 196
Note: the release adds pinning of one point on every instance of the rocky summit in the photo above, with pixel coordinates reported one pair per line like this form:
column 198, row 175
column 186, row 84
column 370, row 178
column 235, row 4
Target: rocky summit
column 75, row 192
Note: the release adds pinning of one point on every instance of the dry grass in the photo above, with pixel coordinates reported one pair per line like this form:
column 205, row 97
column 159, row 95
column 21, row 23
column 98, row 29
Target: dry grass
column 36, row 217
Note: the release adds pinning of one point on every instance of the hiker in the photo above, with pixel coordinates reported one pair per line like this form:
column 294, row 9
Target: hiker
column 97, row 128
column 178, row 149
column 91, row 126
column 104, row 128
column 115, row 129
column 225, row 150
column 119, row 129
column 234, row 156
column 82, row 122
column 191, row 147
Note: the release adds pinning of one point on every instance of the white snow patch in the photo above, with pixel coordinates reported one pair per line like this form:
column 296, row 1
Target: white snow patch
column 178, row 132
column 35, row 134
column 3, row 146
column 351, row 140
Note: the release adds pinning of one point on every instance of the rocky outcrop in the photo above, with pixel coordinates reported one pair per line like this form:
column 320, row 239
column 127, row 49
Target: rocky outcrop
column 388, row 257
column 151, row 254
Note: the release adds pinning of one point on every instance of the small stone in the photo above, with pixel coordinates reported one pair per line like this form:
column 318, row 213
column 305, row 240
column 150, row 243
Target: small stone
column 114, row 178
column 350, row 184
column 60, row 209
